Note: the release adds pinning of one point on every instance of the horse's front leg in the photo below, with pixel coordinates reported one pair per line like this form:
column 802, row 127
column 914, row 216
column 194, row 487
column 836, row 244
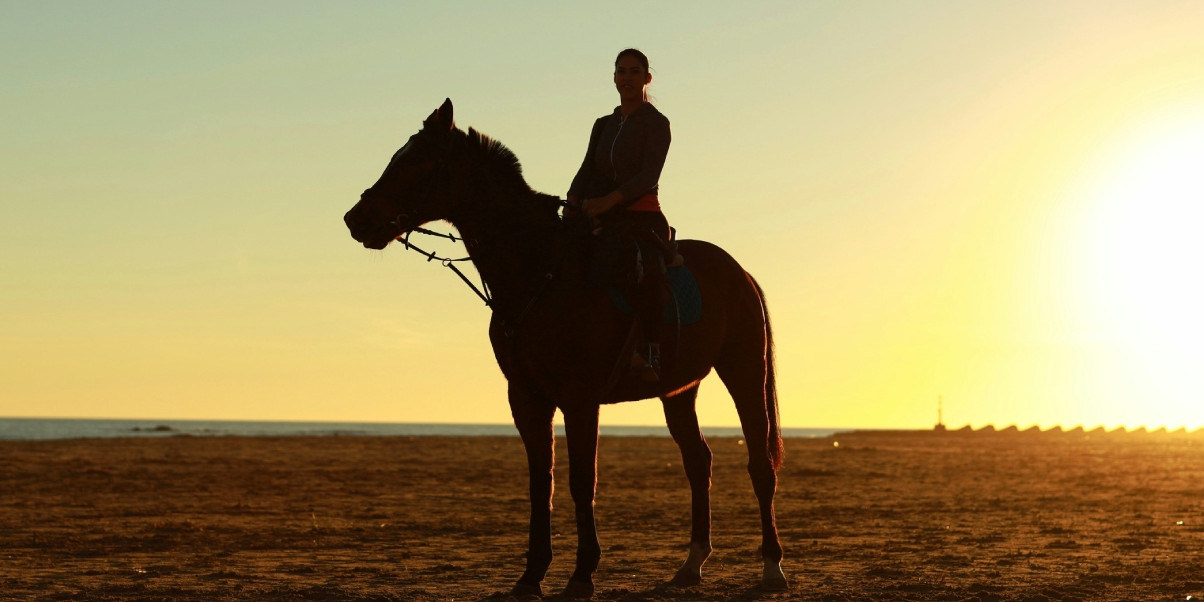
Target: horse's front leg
column 581, row 434
column 533, row 417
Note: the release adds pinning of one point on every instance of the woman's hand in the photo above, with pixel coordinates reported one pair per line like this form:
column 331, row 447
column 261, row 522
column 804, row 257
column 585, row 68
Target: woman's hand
column 572, row 205
column 600, row 205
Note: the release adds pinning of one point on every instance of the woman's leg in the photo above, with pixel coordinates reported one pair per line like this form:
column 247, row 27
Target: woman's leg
column 652, row 292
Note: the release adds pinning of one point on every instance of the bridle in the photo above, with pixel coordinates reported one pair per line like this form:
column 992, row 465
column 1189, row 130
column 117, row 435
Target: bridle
column 483, row 292
column 403, row 223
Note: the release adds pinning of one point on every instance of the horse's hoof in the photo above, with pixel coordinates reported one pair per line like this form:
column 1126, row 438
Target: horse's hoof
column 685, row 578
column 690, row 572
column 579, row 590
column 772, row 577
column 525, row 592
column 775, row 584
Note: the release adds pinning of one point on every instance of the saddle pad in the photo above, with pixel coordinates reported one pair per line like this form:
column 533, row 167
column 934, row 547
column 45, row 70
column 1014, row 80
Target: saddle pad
column 685, row 290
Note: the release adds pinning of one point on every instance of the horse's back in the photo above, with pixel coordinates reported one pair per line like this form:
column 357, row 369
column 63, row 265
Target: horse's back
column 721, row 279
column 707, row 253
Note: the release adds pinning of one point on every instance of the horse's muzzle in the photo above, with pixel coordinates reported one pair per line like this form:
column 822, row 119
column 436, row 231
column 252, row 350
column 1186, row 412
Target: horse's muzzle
column 372, row 234
column 356, row 226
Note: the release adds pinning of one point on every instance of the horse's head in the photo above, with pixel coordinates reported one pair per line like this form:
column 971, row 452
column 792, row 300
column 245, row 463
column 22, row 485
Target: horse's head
column 407, row 193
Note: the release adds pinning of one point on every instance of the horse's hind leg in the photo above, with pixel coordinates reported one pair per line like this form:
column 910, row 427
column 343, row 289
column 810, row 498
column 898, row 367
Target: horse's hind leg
column 682, row 420
column 744, row 374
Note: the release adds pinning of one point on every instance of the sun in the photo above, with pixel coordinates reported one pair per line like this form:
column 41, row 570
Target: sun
column 1144, row 263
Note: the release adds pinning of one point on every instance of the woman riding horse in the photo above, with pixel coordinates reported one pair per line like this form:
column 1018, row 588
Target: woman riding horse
column 556, row 338
column 617, row 184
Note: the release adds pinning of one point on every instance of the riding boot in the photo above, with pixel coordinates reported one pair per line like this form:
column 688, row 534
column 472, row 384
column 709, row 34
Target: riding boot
column 651, row 297
column 646, row 357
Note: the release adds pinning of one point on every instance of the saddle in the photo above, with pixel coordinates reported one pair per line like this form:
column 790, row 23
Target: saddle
column 617, row 258
column 616, row 263
column 685, row 305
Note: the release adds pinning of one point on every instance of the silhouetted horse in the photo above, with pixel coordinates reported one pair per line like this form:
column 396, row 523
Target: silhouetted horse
column 560, row 340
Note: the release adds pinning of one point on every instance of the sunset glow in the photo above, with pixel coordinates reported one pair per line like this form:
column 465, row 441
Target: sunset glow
column 1143, row 261
column 997, row 204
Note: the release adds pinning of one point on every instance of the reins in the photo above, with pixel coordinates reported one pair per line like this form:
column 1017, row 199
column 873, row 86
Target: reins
column 483, row 291
column 448, row 262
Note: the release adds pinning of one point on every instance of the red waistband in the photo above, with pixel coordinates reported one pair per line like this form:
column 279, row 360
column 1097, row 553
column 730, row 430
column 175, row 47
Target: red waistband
column 648, row 202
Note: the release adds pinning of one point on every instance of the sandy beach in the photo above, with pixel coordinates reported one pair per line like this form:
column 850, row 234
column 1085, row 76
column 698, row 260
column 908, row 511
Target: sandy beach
column 882, row 516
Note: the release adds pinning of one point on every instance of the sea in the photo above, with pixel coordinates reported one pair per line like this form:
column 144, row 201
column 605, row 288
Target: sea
column 32, row 429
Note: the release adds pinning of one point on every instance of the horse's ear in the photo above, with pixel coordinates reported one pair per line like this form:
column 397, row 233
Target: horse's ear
column 442, row 117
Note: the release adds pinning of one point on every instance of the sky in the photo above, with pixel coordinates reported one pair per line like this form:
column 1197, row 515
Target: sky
column 993, row 206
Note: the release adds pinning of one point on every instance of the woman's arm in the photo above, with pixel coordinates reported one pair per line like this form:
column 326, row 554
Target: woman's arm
column 585, row 173
column 656, row 148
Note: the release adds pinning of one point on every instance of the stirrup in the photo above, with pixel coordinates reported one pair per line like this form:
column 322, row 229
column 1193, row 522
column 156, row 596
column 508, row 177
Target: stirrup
column 647, row 365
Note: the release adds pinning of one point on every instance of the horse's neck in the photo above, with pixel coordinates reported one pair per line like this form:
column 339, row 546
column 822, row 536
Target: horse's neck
column 512, row 247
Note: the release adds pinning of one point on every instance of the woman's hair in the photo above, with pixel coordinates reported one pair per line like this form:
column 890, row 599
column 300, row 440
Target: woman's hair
column 639, row 56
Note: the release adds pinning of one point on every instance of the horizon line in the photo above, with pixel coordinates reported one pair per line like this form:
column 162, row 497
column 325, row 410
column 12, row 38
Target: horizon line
column 989, row 426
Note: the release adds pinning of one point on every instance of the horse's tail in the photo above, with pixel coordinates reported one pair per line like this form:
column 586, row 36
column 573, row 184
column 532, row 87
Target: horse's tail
column 775, row 448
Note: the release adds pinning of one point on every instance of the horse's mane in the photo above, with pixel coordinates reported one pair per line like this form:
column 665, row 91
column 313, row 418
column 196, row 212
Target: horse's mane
column 504, row 165
column 495, row 154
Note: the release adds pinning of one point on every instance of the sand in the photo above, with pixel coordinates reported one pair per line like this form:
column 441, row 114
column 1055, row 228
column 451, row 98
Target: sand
column 897, row 516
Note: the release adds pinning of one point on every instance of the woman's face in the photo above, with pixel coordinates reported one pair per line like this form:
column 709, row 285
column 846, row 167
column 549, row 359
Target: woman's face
column 630, row 78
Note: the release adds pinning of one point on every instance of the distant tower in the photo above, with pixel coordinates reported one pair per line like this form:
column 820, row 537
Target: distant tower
column 940, row 414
